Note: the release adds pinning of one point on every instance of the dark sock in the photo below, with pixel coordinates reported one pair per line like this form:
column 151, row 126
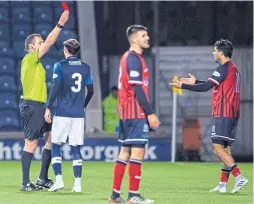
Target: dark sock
column 45, row 163
column 26, row 159
column 133, row 194
column 115, row 194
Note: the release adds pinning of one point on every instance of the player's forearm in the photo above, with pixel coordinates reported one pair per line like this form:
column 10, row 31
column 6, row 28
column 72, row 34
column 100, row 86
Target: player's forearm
column 51, row 39
column 199, row 81
column 202, row 87
column 141, row 97
column 53, row 94
column 90, row 91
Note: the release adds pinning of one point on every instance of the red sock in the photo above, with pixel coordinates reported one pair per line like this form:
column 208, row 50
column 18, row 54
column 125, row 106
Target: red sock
column 235, row 171
column 224, row 175
column 134, row 174
column 119, row 169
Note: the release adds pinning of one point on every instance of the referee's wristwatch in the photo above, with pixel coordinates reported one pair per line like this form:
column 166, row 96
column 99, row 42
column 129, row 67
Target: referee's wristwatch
column 59, row 25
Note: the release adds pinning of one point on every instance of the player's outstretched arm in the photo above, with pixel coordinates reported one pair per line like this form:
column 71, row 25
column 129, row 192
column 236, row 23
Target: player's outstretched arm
column 201, row 87
column 51, row 39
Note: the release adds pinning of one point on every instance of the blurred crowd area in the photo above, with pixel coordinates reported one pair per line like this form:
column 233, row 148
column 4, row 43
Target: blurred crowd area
column 173, row 23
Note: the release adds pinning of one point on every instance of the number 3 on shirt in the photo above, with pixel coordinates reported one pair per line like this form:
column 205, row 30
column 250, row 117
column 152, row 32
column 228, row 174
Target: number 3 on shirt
column 78, row 80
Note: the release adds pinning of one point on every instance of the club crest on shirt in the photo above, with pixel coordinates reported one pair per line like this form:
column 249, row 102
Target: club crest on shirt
column 145, row 81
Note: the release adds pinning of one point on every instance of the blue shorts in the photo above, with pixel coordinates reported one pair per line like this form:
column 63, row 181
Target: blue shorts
column 32, row 115
column 133, row 132
column 224, row 130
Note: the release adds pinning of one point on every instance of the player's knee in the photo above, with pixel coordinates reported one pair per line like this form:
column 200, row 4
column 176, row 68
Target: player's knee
column 47, row 136
column 30, row 145
column 217, row 148
column 125, row 153
column 48, row 141
column 55, row 150
column 75, row 150
column 48, row 145
column 138, row 153
column 228, row 150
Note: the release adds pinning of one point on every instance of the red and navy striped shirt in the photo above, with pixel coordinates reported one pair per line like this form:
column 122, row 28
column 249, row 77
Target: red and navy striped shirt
column 226, row 93
column 132, row 71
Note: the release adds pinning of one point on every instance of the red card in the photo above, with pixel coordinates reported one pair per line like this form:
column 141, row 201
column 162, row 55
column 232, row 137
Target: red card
column 65, row 6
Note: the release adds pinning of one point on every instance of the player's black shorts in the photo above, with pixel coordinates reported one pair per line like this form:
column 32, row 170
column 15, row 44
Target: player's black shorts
column 224, row 130
column 133, row 132
column 32, row 115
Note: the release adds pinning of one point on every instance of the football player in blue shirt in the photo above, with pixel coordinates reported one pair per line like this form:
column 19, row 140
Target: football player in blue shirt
column 71, row 77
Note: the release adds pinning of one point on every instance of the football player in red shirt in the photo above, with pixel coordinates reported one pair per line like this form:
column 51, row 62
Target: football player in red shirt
column 226, row 84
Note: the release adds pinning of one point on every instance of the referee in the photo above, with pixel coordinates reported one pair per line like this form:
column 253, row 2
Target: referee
column 32, row 106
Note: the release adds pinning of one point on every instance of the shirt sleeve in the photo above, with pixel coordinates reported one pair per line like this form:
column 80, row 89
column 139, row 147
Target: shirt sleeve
column 88, row 79
column 218, row 75
column 34, row 56
column 57, row 72
column 134, row 67
column 56, row 82
column 200, row 87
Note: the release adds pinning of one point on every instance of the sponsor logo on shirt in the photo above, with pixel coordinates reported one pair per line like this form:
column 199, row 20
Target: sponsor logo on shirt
column 215, row 73
column 134, row 73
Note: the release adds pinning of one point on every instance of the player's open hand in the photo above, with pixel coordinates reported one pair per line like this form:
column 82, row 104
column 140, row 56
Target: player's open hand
column 154, row 122
column 47, row 116
column 176, row 84
column 190, row 80
column 64, row 18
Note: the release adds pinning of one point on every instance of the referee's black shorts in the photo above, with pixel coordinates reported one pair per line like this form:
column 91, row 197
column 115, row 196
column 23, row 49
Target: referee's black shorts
column 32, row 115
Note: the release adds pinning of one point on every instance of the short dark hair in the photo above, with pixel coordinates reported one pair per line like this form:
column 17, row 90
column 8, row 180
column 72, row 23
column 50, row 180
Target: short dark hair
column 30, row 40
column 72, row 45
column 134, row 28
column 114, row 88
column 224, row 46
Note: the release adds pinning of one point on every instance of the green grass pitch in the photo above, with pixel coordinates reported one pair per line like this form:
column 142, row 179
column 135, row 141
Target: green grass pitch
column 166, row 183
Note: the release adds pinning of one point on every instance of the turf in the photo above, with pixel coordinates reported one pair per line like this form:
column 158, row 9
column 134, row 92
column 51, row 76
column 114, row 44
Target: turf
column 166, row 183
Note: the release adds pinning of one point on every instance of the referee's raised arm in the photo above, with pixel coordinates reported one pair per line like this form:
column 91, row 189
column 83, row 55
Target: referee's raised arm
column 51, row 39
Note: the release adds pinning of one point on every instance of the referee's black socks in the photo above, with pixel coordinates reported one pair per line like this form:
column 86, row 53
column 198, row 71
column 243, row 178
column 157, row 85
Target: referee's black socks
column 26, row 159
column 45, row 163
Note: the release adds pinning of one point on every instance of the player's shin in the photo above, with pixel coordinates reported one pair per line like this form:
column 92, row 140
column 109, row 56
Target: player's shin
column 134, row 175
column 45, row 163
column 26, row 159
column 119, row 170
column 224, row 175
column 77, row 161
column 57, row 162
column 235, row 171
